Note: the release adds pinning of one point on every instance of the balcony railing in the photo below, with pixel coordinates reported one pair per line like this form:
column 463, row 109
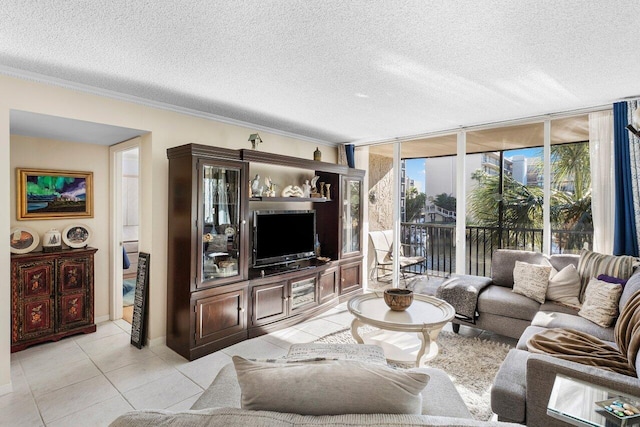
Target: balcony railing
column 436, row 242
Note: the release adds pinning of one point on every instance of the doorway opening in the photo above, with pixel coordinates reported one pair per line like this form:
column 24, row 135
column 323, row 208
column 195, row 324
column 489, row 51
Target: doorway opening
column 130, row 224
column 125, row 226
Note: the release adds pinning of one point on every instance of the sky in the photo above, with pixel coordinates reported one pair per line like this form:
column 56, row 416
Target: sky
column 415, row 167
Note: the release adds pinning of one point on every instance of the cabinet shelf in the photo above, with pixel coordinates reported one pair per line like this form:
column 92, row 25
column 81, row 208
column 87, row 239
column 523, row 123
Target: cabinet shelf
column 289, row 199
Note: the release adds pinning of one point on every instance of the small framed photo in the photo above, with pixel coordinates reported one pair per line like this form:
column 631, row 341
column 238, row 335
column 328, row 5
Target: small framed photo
column 76, row 236
column 53, row 194
column 23, row 240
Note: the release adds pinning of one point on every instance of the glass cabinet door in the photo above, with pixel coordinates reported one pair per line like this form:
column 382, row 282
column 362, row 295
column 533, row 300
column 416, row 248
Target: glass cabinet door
column 351, row 215
column 221, row 216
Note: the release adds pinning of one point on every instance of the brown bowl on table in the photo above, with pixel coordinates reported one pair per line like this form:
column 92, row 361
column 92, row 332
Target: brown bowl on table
column 398, row 299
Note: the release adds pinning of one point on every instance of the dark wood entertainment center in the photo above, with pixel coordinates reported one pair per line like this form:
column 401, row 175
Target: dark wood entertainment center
column 214, row 297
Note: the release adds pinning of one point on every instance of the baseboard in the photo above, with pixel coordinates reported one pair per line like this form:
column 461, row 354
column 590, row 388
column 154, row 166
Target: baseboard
column 158, row 341
column 100, row 319
column 6, row 389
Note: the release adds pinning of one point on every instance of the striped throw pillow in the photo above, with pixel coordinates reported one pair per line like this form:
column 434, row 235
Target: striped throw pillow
column 592, row 264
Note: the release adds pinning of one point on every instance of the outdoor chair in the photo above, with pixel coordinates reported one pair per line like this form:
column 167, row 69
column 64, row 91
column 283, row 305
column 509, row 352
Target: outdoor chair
column 382, row 242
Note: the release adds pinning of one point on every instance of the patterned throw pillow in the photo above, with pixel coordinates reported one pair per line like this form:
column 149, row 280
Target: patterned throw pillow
column 601, row 302
column 531, row 280
column 564, row 286
column 592, row 264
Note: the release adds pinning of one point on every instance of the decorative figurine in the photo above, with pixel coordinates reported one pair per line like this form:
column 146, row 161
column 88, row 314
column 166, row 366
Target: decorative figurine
column 256, row 188
column 271, row 187
column 292, row 191
column 314, row 188
column 321, row 186
column 327, row 194
column 306, row 189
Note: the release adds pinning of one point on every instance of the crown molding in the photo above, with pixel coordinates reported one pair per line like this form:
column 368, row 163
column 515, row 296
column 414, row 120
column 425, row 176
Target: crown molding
column 67, row 84
column 492, row 125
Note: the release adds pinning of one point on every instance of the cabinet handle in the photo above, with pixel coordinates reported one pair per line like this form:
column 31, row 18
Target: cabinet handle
column 285, row 298
column 241, row 310
column 321, row 288
column 343, row 279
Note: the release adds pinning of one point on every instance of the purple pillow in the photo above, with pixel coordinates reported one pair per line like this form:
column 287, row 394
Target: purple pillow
column 610, row 279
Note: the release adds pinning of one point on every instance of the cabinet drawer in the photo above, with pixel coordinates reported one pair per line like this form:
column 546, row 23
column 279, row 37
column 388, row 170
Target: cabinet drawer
column 73, row 311
column 73, row 275
column 269, row 303
column 350, row 277
column 37, row 319
column 302, row 294
column 220, row 315
column 35, row 279
column 328, row 282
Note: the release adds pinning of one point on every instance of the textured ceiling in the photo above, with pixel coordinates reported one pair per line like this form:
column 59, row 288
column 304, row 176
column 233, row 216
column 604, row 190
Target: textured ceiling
column 335, row 70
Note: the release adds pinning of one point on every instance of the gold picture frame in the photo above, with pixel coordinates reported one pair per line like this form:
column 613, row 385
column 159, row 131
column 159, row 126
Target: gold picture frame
column 53, row 194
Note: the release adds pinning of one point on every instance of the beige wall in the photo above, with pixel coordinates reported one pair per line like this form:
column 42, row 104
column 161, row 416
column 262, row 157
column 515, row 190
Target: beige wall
column 72, row 156
column 168, row 129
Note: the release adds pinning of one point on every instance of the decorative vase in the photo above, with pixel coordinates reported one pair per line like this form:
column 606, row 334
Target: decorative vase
column 52, row 241
column 398, row 299
column 327, row 194
column 317, row 155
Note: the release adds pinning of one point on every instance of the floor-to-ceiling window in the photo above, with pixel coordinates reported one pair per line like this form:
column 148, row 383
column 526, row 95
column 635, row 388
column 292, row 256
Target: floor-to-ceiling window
column 512, row 200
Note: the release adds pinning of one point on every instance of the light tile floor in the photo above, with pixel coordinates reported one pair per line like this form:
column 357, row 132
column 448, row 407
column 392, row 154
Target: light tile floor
column 89, row 380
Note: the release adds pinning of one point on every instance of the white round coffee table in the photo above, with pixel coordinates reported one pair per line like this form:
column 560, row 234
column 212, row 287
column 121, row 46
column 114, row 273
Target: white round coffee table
column 419, row 325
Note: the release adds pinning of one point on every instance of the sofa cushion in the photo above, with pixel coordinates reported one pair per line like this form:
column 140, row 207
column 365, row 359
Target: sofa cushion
column 224, row 391
column 531, row 280
column 601, row 302
column 502, row 301
column 630, row 288
column 557, row 307
column 232, row 417
column 367, row 353
column 504, row 260
column 440, row 396
column 346, row 387
column 528, row 333
column 592, row 264
column 569, row 321
column 560, row 261
column 564, row 286
column 509, row 391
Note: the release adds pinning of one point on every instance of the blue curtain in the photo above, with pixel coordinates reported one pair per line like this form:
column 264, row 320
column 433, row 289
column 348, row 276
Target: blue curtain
column 350, row 152
column 624, row 239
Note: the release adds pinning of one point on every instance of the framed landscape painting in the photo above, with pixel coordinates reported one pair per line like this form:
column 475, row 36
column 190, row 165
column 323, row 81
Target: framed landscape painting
column 53, row 194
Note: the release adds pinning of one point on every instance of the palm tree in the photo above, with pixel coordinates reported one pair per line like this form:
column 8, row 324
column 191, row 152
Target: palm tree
column 522, row 204
column 415, row 203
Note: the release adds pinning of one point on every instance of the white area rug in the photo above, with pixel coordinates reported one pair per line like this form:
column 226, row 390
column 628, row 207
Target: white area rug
column 471, row 363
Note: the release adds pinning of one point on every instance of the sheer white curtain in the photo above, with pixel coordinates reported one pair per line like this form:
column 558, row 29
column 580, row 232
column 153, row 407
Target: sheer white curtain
column 602, row 194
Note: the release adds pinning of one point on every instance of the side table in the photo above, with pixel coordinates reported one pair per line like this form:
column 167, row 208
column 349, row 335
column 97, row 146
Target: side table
column 573, row 401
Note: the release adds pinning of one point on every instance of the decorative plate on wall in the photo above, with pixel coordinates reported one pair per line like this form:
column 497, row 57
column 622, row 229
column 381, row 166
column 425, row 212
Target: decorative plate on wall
column 23, row 240
column 77, row 236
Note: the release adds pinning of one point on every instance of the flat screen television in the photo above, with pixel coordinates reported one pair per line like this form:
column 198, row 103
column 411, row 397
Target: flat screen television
column 281, row 237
